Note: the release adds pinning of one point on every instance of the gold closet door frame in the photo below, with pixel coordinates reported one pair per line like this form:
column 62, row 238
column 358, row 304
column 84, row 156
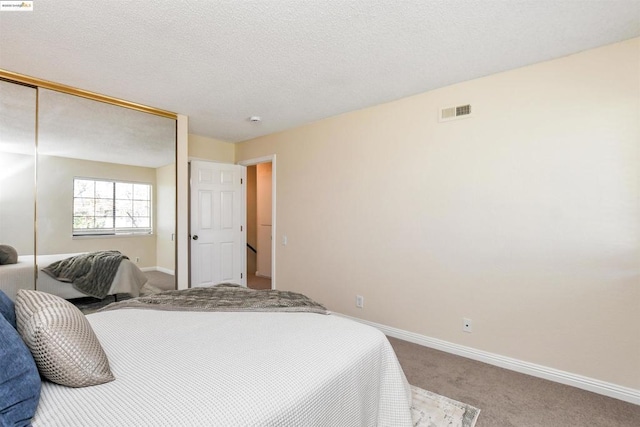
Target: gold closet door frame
column 45, row 84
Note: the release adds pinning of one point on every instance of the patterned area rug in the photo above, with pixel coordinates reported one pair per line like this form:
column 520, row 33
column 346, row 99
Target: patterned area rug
column 432, row 410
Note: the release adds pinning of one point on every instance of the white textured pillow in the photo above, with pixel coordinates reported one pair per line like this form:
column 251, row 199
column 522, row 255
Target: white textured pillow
column 64, row 346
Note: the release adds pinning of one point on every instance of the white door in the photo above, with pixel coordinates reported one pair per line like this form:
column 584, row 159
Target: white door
column 218, row 224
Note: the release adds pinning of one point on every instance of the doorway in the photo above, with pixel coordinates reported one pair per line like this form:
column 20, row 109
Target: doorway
column 260, row 205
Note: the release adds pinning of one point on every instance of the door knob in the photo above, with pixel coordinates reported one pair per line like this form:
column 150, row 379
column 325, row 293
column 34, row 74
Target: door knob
column 195, row 237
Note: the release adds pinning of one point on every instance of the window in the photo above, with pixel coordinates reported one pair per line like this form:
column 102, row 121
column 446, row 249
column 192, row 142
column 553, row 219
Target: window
column 103, row 207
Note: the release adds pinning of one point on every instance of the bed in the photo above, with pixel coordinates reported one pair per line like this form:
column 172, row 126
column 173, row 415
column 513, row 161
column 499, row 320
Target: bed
column 235, row 369
column 128, row 279
column 187, row 368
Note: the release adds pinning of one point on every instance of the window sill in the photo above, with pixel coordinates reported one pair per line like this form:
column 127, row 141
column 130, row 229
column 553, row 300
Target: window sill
column 111, row 236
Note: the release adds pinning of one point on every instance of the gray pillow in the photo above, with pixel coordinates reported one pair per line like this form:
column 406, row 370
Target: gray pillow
column 63, row 345
column 8, row 255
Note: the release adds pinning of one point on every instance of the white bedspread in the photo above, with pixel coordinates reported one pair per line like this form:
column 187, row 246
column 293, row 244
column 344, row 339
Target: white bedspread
column 235, row 369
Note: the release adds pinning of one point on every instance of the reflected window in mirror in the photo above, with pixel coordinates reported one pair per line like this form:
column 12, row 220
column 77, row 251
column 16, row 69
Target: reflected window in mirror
column 105, row 207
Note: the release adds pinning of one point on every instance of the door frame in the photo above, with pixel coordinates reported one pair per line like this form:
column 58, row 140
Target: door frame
column 269, row 159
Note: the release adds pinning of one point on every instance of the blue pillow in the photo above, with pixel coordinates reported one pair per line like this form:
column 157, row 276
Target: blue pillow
column 7, row 309
column 19, row 379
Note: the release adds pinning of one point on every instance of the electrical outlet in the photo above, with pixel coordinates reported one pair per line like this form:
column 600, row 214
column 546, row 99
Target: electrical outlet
column 359, row 301
column 466, row 325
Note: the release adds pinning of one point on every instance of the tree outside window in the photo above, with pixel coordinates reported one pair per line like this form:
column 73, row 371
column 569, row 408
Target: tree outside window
column 102, row 207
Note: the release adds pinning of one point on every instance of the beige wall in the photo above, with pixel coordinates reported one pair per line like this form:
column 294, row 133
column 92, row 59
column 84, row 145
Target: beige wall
column 523, row 218
column 166, row 218
column 55, row 208
column 204, row 148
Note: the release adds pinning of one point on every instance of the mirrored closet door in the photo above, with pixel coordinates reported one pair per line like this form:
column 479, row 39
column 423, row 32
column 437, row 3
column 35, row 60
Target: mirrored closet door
column 106, row 180
column 17, row 186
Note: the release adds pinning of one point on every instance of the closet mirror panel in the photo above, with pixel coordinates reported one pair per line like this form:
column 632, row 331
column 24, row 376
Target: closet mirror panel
column 106, row 181
column 17, row 186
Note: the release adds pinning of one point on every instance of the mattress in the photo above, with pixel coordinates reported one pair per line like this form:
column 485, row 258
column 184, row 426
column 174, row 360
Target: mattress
column 128, row 279
column 235, row 369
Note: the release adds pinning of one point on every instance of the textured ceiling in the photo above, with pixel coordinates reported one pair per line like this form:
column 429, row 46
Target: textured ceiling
column 292, row 61
column 73, row 127
column 69, row 126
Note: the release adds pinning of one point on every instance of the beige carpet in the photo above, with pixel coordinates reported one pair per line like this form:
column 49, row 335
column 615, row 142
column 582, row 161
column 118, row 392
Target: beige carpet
column 508, row 398
column 432, row 410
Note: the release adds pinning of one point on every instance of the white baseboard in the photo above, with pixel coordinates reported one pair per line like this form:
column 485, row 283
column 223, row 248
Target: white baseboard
column 160, row 269
column 165, row 270
column 590, row 384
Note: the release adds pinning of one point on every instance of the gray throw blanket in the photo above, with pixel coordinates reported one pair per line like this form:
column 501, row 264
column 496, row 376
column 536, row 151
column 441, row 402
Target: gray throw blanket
column 223, row 297
column 91, row 273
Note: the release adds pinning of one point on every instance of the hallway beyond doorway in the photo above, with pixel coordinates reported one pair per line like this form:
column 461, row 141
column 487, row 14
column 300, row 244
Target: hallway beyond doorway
column 258, row 282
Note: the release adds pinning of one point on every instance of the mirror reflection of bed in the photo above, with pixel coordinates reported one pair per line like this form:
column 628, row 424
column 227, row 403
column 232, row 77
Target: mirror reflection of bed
column 126, row 281
column 101, row 279
column 121, row 279
column 83, row 140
